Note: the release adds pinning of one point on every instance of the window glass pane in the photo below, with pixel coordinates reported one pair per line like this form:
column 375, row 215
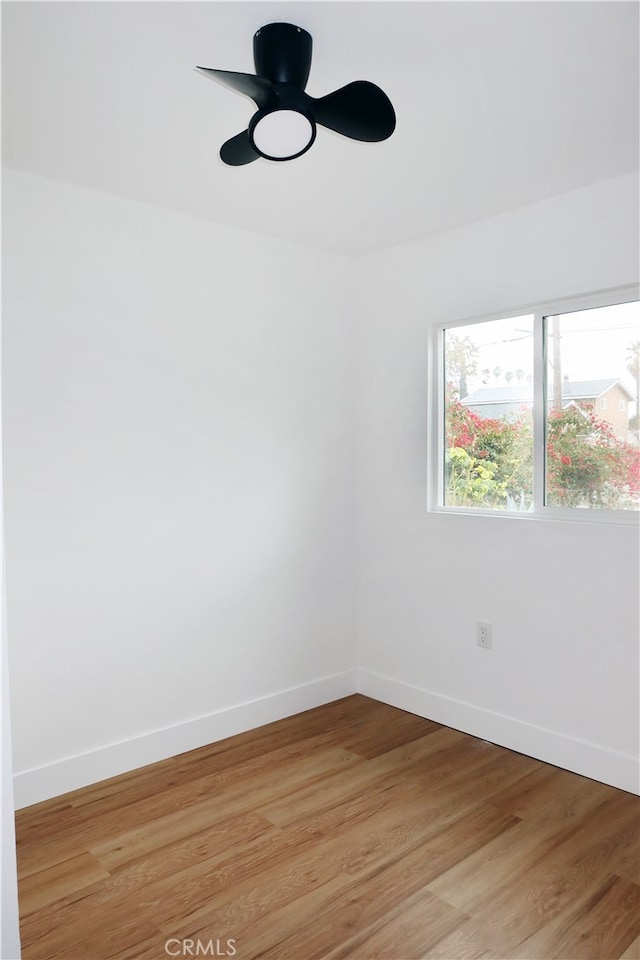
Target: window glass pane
column 488, row 403
column 592, row 448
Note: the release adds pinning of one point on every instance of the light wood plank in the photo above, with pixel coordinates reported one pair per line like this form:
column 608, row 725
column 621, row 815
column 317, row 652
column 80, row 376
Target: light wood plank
column 353, row 830
column 632, row 952
column 602, row 924
column 52, row 884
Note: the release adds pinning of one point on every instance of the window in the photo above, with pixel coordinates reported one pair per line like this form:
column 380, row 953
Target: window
column 488, row 414
column 522, row 421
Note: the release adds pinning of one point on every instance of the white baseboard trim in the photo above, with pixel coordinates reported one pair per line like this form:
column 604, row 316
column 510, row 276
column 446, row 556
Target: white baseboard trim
column 617, row 769
column 71, row 773
column 54, row 779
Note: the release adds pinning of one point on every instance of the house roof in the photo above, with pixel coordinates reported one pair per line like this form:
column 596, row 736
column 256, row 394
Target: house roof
column 587, row 389
column 523, row 392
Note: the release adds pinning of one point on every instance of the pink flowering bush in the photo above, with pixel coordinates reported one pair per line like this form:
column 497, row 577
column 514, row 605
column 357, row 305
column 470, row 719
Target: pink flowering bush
column 587, row 466
column 489, row 461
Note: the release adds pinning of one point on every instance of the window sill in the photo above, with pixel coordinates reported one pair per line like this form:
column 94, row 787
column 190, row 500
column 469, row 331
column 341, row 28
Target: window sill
column 555, row 515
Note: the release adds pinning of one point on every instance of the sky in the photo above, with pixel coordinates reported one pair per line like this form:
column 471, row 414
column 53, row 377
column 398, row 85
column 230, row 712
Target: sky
column 593, row 345
column 594, row 342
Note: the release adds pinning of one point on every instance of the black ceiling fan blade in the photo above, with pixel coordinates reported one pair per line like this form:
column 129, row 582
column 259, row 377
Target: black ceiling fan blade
column 361, row 111
column 261, row 91
column 238, row 151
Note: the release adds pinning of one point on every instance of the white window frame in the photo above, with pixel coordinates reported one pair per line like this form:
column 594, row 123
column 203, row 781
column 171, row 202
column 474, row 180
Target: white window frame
column 435, row 411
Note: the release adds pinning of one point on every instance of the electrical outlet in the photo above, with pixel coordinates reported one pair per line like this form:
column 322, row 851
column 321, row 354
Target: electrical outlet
column 484, row 635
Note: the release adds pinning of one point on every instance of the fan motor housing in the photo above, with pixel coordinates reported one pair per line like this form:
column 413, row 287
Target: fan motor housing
column 282, row 53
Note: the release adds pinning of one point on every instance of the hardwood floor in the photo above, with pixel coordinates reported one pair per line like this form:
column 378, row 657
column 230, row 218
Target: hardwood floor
column 353, row 830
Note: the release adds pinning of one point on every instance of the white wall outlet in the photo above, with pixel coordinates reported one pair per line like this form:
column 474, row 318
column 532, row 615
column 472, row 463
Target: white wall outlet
column 484, row 635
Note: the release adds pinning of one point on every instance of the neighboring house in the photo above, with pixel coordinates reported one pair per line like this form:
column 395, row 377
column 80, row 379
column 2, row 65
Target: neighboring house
column 608, row 399
column 499, row 401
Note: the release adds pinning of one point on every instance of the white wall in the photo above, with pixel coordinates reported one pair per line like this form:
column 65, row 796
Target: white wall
column 9, row 918
column 181, row 501
column 561, row 681
column 178, row 481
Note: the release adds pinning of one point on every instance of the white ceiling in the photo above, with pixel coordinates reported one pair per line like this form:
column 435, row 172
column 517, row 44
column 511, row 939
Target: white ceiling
column 498, row 105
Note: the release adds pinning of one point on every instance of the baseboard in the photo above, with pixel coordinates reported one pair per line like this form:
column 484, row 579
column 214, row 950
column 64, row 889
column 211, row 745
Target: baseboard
column 617, row 769
column 71, row 773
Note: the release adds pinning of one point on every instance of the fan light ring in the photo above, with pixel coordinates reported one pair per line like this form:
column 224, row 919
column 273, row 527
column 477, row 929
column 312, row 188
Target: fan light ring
column 282, row 134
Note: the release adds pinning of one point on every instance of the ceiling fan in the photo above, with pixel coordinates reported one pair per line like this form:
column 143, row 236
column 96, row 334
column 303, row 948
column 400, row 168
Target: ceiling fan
column 284, row 126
